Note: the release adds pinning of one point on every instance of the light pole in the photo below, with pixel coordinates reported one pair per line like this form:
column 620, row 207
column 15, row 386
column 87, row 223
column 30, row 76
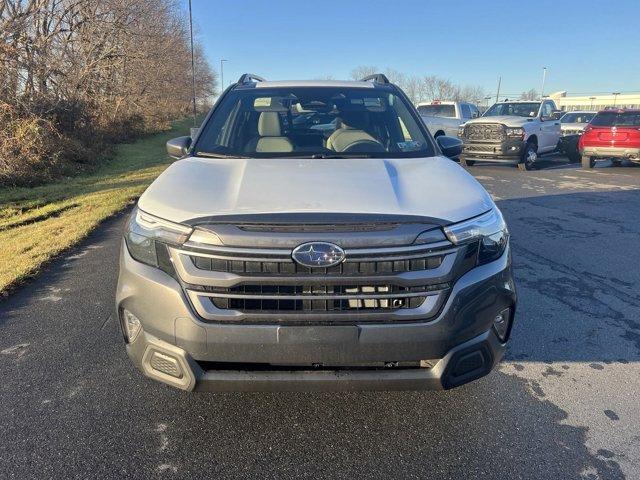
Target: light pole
column 615, row 97
column 486, row 100
column 498, row 91
column 222, row 60
column 544, row 77
column 193, row 67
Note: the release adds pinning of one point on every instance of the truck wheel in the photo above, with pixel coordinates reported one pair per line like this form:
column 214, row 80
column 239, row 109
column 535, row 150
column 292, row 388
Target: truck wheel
column 616, row 162
column 466, row 163
column 588, row 162
column 529, row 157
column 439, row 133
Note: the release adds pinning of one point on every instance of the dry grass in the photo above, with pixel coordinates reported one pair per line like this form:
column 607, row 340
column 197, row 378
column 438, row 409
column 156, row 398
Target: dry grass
column 38, row 223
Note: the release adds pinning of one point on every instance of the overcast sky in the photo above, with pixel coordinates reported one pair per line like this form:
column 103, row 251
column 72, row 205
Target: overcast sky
column 588, row 46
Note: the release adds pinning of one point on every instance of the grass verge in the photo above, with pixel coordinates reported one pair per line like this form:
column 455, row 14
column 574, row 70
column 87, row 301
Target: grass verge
column 38, row 223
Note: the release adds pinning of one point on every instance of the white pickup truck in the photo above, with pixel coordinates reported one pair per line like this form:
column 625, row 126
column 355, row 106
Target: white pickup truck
column 444, row 118
column 514, row 132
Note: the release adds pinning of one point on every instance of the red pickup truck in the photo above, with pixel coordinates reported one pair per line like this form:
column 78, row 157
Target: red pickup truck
column 611, row 134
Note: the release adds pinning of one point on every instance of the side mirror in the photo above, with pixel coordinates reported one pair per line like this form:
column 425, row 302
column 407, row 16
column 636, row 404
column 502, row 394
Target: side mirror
column 451, row 147
column 557, row 114
column 178, row 147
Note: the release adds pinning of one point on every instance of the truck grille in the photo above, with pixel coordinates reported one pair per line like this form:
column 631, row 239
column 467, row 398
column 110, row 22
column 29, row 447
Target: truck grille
column 374, row 284
column 485, row 132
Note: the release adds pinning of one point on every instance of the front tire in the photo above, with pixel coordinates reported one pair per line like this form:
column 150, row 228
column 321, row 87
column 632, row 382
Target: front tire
column 529, row 157
column 588, row 162
column 467, row 163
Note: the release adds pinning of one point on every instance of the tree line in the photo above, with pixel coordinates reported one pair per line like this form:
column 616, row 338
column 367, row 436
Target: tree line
column 78, row 75
column 431, row 87
column 425, row 88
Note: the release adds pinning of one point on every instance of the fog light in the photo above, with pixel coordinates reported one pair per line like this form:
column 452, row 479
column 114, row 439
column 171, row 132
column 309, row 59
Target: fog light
column 501, row 323
column 166, row 364
column 132, row 325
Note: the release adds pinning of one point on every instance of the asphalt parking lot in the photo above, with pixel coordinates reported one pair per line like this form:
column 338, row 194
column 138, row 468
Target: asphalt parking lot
column 564, row 403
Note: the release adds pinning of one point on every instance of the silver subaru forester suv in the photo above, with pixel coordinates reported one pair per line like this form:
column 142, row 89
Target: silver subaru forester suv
column 314, row 236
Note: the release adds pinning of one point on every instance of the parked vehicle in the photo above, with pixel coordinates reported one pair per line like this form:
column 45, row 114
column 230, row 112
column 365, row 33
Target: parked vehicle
column 611, row 134
column 514, row 132
column 444, row 118
column 572, row 125
column 272, row 258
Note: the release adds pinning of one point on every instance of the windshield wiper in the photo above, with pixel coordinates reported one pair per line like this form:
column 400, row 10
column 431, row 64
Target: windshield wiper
column 218, row 155
column 338, row 155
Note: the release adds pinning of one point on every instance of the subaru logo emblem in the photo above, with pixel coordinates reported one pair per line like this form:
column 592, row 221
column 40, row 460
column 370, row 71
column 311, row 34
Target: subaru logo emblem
column 318, row 254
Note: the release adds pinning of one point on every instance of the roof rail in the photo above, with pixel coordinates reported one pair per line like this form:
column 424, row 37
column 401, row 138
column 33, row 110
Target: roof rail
column 250, row 78
column 376, row 77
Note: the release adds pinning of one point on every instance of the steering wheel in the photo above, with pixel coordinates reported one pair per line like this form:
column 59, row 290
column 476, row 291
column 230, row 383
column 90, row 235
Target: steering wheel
column 364, row 146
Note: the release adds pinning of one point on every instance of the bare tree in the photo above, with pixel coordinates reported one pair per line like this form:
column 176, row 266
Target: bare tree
column 362, row 71
column 529, row 95
column 95, row 70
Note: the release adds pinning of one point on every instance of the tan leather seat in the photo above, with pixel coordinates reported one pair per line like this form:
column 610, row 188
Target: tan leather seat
column 270, row 140
column 350, row 132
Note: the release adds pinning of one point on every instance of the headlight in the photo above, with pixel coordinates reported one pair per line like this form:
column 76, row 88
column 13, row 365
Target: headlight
column 489, row 228
column 147, row 235
column 460, row 132
column 515, row 132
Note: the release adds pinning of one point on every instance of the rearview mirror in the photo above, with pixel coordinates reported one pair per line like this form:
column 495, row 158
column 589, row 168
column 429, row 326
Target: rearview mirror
column 178, row 147
column 451, row 147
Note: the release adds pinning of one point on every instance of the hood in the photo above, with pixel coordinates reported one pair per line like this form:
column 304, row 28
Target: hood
column 433, row 187
column 510, row 120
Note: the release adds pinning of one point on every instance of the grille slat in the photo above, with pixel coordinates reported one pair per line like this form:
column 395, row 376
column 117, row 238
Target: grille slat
column 322, row 298
column 290, row 268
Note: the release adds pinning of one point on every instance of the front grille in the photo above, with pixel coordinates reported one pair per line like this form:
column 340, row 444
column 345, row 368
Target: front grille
column 319, row 298
column 243, row 267
column 572, row 131
column 479, row 148
column 485, row 132
column 383, row 283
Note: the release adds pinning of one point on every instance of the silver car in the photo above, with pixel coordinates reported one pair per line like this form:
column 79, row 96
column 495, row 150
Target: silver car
column 272, row 257
column 572, row 124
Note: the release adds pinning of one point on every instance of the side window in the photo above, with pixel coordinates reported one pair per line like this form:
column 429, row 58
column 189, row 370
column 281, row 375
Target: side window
column 547, row 110
column 466, row 111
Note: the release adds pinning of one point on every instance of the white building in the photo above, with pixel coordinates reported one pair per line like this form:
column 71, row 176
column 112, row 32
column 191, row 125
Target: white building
column 595, row 102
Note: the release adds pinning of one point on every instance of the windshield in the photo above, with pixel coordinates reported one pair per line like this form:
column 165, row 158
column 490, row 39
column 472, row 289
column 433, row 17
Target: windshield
column 577, row 117
column 516, row 109
column 448, row 111
column 313, row 122
column 610, row 119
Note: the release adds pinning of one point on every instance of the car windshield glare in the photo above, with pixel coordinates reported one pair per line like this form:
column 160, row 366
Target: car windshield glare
column 515, row 109
column 314, row 122
column 577, row 117
column 437, row 110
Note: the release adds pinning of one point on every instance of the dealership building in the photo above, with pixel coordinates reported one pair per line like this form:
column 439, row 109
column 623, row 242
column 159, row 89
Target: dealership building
column 595, row 102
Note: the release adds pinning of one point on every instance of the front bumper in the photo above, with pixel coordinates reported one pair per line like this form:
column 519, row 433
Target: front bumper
column 506, row 151
column 616, row 152
column 568, row 143
column 455, row 347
